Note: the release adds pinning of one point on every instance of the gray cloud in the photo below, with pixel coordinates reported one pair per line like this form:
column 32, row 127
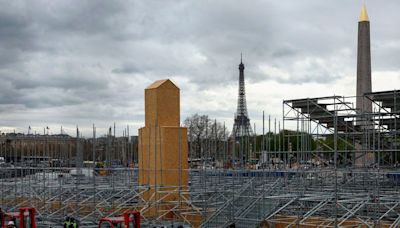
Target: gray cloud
column 71, row 63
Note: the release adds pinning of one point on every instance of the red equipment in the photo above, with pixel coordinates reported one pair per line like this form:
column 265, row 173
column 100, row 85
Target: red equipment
column 24, row 218
column 129, row 219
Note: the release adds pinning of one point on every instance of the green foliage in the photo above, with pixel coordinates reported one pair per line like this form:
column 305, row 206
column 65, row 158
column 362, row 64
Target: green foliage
column 285, row 140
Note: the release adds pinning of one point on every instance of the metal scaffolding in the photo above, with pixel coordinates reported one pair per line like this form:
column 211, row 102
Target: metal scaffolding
column 337, row 167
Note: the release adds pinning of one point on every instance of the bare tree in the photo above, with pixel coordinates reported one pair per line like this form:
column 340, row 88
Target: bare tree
column 206, row 137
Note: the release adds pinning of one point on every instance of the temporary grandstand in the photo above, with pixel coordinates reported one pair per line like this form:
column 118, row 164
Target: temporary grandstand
column 345, row 175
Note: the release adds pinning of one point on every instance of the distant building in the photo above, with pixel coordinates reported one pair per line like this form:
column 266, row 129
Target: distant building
column 61, row 149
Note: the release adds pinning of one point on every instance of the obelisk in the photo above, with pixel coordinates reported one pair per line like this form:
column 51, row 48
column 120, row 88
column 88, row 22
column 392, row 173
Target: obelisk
column 363, row 63
column 363, row 156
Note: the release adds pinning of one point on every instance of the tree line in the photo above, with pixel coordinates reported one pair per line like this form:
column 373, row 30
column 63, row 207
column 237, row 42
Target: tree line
column 210, row 138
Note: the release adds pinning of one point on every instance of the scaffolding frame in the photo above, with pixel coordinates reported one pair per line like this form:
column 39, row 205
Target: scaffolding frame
column 315, row 183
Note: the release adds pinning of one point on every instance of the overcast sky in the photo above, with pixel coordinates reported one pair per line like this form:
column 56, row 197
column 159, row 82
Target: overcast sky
column 68, row 63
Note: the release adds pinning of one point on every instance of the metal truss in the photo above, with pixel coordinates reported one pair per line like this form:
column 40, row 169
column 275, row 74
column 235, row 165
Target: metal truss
column 248, row 198
column 296, row 192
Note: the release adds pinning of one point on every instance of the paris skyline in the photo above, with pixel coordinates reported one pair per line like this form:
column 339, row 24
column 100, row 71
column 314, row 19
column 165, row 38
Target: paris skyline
column 65, row 64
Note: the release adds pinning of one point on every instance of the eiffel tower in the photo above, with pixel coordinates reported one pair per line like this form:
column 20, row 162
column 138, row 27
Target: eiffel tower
column 241, row 126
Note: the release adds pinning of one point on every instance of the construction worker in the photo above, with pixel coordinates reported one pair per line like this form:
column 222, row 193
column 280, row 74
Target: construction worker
column 11, row 224
column 67, row 222
column 74, row 223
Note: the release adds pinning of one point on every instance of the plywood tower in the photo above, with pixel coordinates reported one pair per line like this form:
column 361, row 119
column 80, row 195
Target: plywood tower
column 163, row 150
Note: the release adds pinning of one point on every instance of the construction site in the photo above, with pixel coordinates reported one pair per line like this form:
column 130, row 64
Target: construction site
column 337, row 166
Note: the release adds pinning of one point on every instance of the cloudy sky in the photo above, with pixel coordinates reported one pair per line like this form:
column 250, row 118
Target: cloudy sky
column 68, row 63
